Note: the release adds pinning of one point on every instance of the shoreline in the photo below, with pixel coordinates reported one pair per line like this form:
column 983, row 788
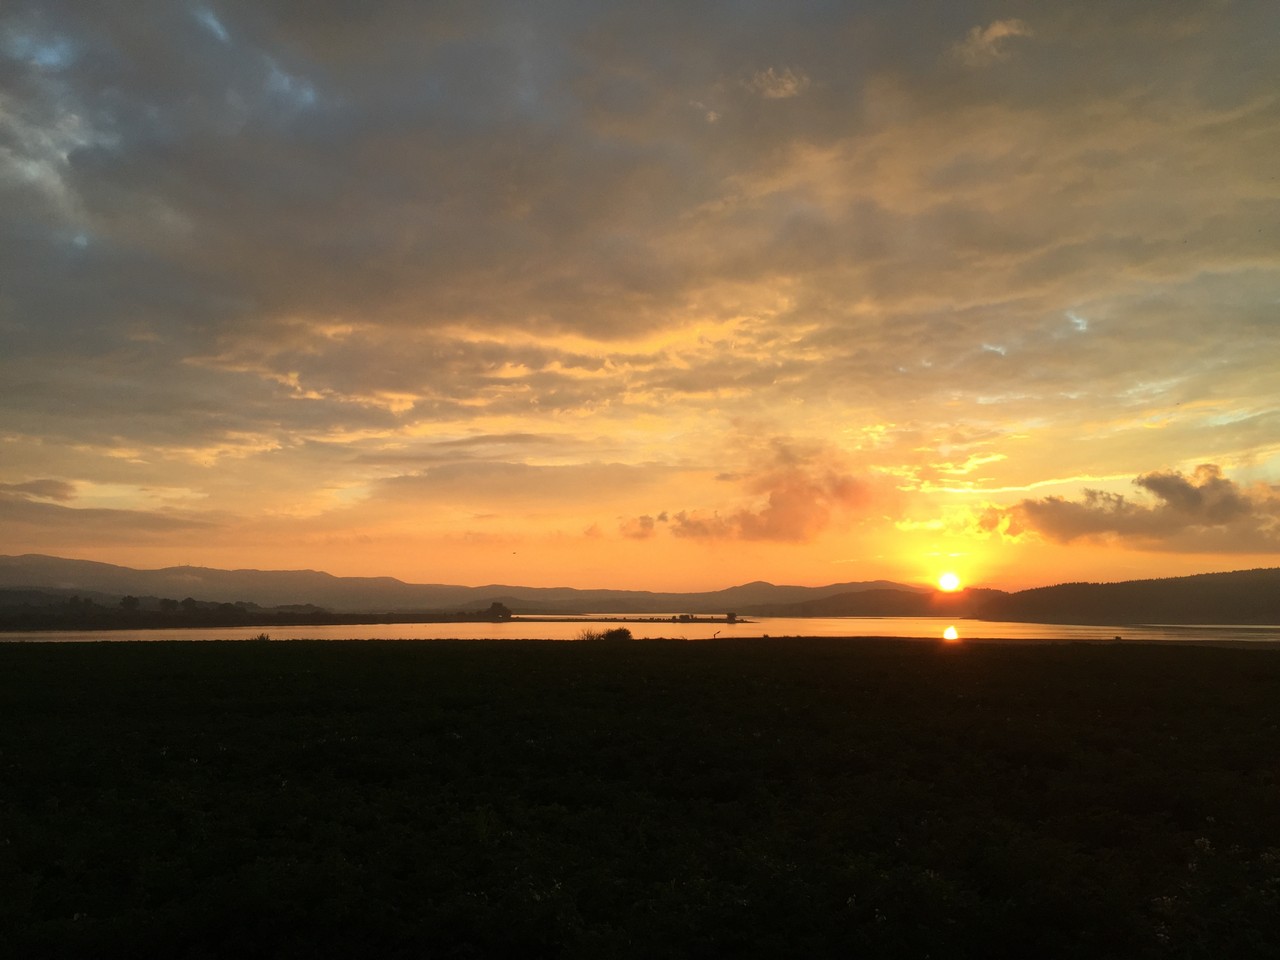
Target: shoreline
column 1226, row 643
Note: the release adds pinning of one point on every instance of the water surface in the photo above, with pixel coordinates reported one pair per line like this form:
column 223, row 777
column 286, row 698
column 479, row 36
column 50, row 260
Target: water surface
column 647, row 626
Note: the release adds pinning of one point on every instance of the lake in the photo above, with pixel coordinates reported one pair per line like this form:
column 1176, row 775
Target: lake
column 650, row 626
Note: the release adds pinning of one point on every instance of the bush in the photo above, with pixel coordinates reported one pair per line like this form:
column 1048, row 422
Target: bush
column 617, row 633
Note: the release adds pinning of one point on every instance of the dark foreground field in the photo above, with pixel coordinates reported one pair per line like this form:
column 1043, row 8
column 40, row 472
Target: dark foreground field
column 774, row 798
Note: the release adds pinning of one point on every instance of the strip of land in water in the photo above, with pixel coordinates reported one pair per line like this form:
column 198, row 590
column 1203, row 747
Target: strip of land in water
column 97, row 617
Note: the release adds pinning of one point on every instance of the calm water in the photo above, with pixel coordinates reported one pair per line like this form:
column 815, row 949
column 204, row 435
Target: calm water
column 534, row 629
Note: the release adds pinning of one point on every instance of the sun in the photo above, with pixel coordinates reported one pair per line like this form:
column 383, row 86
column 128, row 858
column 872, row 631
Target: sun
column 949, row 582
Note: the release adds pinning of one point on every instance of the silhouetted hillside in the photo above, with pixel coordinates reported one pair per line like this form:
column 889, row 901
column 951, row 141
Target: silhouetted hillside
column 1247, row 596
column 884, row 603
column 1243, row 596
column 27, row 609
column 381, row 595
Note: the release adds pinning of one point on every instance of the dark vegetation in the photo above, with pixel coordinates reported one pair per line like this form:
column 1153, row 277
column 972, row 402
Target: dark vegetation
column 28, row 609
column 789, row 798
column 613, row 634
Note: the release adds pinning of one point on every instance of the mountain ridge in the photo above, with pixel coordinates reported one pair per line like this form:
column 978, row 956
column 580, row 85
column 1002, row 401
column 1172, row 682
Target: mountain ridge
column 1239, row 597
column 272, row 588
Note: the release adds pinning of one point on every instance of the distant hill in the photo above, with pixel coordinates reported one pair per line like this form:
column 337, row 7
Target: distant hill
column 1244, row 596
column 275, row 588
column 884, row 603
column 1241, row 597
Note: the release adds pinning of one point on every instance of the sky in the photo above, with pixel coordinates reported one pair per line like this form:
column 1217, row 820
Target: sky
column 660, row 296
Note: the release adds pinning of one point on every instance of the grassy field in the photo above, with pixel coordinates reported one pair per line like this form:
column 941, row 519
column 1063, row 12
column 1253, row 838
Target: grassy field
column 744, row 798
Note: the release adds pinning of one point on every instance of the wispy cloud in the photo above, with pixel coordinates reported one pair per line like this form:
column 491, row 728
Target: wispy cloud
column 209, row 20
column 774, row 84
column 47, row 489
column 984, row 45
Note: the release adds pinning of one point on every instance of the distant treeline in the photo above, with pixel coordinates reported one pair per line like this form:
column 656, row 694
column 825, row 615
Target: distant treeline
column 22, row 610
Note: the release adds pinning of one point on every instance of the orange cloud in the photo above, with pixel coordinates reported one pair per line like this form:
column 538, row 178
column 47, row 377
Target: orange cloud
column 803, row 489
column 642, row 527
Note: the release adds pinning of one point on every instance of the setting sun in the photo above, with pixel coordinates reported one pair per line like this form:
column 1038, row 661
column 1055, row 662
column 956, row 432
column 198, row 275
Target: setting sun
column 949, row 582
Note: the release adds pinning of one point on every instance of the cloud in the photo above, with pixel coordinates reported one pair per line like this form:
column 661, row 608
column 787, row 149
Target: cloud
column 779, row 84
column 318, row 249
column 212, row 24
column 1206, row 498
column 798, row 495
column 41, row 489
column 59, row 525
column 1204, row 511
column 638, row 528
column 503, row 483
column 986, row 44
column 487, row 447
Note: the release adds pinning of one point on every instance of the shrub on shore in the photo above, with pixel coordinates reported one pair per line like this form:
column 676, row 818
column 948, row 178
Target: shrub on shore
column 616, row 633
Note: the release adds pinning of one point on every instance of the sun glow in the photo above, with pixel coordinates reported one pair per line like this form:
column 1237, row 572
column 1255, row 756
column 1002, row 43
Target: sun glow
column 951, row 635
column 948, row 582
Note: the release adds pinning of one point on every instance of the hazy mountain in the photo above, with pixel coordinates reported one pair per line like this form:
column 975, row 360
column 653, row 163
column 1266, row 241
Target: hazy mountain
column 273, row 588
